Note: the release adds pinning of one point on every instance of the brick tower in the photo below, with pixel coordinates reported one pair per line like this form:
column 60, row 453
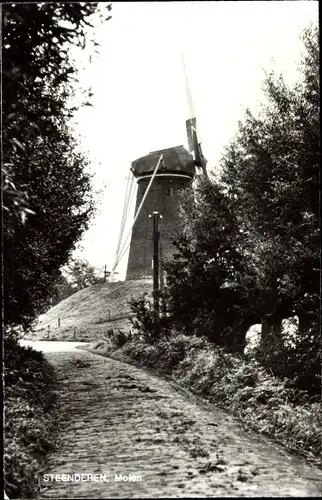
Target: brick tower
column 174, row 174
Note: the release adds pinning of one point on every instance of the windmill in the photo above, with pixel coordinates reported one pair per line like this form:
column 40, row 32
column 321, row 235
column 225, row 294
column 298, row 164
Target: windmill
column 160, row 176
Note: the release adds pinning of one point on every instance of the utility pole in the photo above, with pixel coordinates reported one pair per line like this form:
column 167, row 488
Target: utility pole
column 156, row 237
column 162, row 303
column 108, row 274
column 105, row 273
column 161, row 281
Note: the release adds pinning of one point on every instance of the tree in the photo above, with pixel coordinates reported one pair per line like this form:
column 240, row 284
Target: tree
column 47, row 190
column 250, row 248
column 80, row 274
column 271, row 170
column 74, row 276
column 61, row 291
column 207, row 283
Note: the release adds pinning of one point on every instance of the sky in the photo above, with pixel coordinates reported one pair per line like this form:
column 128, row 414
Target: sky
column 139, row 100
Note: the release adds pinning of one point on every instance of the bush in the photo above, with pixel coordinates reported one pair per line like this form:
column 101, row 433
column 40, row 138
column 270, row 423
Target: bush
column 139, row 351
column 25, row 364
column 297, row 362
column 145, row 321
column 165, row 354
column 172, row 351
column 119, row 338
column 29, row 427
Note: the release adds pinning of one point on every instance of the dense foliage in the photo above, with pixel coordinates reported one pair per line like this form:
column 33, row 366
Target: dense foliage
column 76, row 275
column 250, row 248
column 208, row 281
column 47, row 204
column 30, row 418
column 271, row 171
column 47, row 201
column 81, row 274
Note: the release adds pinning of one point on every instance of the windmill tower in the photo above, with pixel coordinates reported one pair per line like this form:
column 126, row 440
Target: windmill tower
column 160, row 176
column 175, row 173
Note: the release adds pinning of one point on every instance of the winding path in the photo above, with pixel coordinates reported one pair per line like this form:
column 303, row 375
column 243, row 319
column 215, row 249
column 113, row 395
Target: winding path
column 118, row 420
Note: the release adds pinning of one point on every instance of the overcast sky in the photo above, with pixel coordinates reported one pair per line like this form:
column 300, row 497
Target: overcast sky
column 139, row 100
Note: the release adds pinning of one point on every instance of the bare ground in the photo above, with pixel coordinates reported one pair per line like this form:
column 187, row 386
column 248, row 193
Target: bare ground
column 118, row 419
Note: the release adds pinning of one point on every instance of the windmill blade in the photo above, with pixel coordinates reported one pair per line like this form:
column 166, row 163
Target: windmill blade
column 191, row 126
column 193, row 145
column 191, row 110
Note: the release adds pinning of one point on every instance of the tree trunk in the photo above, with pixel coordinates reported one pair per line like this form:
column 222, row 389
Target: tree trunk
column 271, row 325
column 239, row 343
column 304, row 324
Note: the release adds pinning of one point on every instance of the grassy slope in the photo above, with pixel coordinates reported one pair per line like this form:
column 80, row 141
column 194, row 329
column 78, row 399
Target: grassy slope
column 88, row 310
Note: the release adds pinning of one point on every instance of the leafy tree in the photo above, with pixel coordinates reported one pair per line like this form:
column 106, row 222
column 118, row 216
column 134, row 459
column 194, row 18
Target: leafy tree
column 47, row 190
column 250, row 248
column 207, row 281
column 271, row 170
column 80, row 274
column 75, row 276
column 61, row 290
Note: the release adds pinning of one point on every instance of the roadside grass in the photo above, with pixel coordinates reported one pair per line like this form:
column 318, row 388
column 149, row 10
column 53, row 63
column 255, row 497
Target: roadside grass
column 30, row 430
column 239, row 385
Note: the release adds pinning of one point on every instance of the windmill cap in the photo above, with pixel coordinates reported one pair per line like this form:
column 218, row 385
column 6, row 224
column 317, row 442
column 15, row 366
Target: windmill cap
column 175, row 160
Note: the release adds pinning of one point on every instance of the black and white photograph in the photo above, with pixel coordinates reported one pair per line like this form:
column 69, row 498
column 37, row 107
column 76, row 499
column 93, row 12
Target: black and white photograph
column 161, row 249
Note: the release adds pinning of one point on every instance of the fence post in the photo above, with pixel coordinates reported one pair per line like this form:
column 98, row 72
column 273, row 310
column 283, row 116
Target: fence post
column 109, row 314
column 58, row 322
column 48, row 331
column 74, row 332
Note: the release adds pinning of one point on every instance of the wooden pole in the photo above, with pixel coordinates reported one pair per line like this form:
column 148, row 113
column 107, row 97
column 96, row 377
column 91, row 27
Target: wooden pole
column 161, row 280
column 156, row 237
column 48, row 331
column 162, row 304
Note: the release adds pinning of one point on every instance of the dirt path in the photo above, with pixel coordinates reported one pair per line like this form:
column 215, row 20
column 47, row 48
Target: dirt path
column 119, row 420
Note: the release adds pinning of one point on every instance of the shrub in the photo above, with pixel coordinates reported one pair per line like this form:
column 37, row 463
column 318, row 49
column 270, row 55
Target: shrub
column 145, row 321
column 174, row 349
column 25, row 364
column 119, row 338
column 297, row 362
column 142, row 353
column 166, row 353
column 29, row 427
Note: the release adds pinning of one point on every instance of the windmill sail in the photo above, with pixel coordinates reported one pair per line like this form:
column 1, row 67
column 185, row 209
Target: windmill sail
column 193, row 145
column 191, row 126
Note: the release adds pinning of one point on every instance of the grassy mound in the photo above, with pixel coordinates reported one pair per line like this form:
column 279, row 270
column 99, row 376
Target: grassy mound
column 29, row 418
column 241, row 387
column 90, row 312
